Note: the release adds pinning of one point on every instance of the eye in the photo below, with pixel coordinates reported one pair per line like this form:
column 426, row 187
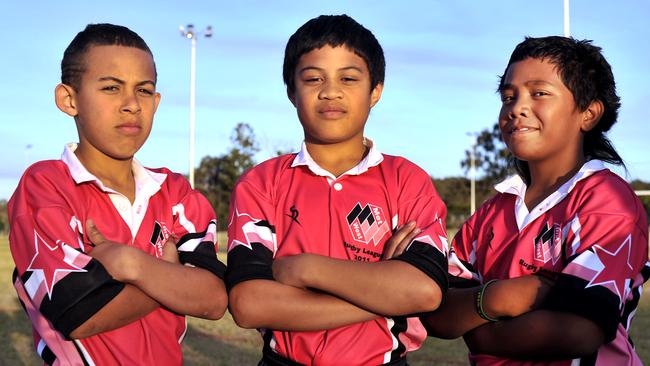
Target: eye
column 540, row 93
column 311, row 79
column 145, row 91
column 507, row 98
column 110, row 88
column 349, row 79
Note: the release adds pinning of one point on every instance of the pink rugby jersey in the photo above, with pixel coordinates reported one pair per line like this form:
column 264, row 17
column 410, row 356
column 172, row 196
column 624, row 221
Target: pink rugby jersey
column 592, row 234
column 289, row 205
column 61, row 286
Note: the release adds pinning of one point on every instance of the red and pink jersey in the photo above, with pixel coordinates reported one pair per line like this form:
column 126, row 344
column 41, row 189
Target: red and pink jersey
column 61, row 286
column 289, row 205
column 592, row 233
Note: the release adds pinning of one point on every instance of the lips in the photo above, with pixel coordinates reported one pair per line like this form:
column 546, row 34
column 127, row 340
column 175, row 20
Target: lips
column 331, row 111
column 129, row 129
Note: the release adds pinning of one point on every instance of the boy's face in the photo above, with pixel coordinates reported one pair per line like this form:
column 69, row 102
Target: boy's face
column 539, row 119
column 332, row 95
column 116, row 101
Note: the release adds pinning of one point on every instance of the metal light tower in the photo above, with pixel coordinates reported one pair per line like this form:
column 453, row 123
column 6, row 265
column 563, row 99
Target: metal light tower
column 188, row 32
column 567, row 30
column 472, row 173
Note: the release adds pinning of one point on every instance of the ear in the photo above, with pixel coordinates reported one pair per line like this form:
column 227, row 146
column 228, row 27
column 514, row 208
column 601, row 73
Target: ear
column 156, row 101
column 291, row 96
column 375, row 94
column 591, row 115
column 64, row 97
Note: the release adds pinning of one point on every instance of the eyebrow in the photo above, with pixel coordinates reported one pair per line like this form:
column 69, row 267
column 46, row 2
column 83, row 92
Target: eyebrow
column 122, row 82
column 307, row 68
column 527, row 83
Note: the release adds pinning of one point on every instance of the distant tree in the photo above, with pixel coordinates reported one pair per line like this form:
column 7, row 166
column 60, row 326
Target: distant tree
column 4, row 221
column 645, row 200
column 216, row 175
column 491, row 157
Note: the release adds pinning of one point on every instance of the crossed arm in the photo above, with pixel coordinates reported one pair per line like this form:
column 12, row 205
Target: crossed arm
column 313, row 292
column 150, row 283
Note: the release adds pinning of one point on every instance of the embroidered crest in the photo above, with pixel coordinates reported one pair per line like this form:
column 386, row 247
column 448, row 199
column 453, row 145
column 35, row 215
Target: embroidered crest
column 367, row 224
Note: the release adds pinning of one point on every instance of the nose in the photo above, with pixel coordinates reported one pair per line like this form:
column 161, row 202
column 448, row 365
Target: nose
column 130, row 103
column 330, row 91
column 519, row 108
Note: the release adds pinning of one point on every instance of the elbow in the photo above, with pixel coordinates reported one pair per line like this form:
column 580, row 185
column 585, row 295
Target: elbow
column 440, row 328
column 428, row 297
column 217, row 308
column 243, row 308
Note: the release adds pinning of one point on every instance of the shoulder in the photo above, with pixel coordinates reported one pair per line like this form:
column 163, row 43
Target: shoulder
column 403, row 168
column 607, row 193
column 267, row 171
column 46, row 175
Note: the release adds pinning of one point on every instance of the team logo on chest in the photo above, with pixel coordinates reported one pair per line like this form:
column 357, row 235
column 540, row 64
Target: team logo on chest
column 548, row 244
column 367, row 224
column 159, row 236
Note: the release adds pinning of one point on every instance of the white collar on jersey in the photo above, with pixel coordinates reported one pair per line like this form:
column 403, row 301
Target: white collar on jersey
column 373, row 158
column 516, row 186
column 146, row 181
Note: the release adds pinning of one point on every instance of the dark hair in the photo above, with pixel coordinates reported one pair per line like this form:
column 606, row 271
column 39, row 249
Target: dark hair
column 73, row 66
column 334, row 30
column 587, row 74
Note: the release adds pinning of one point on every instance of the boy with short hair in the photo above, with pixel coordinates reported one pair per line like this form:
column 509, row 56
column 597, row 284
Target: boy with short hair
column 550, row 270
column 308, row 230
column 94, row 235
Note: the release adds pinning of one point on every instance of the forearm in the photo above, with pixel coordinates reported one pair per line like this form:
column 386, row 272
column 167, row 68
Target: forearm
column 537, row 335
column 456, row 316
column 270, row 304
column 129, row 305
column 368, row 285
column 182, row 289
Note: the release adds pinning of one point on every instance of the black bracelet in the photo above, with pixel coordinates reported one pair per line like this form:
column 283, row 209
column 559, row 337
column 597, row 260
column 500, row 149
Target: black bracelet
column 479, row 302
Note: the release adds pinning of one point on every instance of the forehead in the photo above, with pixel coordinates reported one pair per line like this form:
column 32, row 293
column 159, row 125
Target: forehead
column 531, row 70
column 119, row 61
column 328, row 57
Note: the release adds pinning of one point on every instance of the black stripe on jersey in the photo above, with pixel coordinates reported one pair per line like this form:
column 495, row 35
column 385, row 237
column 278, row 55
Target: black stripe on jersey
column 81, row 354
column 270, row 357
column 204, row 256
column 245, row 264
column 630, row 306
column 596, row 303
column 429, row 260
column 189, row 236
column 399, row 327
column 589, row 360
column 78, row 296
column 48, row 356
column 354, row 213
column 645, row 272
column 264, row 223
column 459, row 282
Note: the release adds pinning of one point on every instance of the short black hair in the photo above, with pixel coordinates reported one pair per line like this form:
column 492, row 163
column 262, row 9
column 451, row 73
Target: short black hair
column 587, row 74
column 103, row 34
column 334, row 30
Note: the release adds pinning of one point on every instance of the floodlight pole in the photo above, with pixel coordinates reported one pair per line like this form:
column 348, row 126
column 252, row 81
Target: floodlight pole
column 472, row 173
column 567, row 30
column 188, row 32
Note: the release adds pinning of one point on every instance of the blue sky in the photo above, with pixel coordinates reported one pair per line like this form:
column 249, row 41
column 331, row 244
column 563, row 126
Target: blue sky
column 443, row 58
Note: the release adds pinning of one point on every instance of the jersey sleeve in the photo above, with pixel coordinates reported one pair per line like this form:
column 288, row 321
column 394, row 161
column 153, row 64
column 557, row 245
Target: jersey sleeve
column 428, row 251
column 251, row 234
column 605, row 254
column 195, row 226
column 462, row 257
column 55, row 274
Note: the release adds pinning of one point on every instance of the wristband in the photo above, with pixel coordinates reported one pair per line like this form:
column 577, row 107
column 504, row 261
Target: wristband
column 479, row 302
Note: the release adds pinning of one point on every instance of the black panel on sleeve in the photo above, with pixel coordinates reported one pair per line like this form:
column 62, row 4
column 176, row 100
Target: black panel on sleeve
column 204, row 256
column 460, row 282
column 428, row 260
column 596, row 303
column 78, row 296
column 246, row 264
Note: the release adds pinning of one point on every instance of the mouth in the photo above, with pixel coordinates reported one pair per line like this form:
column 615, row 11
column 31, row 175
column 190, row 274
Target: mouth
column 129, row 129
column 332, row 112
column 520, row 129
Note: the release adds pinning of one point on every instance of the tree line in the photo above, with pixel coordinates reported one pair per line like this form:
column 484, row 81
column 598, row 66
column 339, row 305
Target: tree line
column 216, row 175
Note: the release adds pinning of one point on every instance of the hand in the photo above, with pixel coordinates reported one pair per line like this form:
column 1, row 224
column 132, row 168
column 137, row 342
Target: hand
column 400, row 240
column 169, row 251
column 291, row 270
column 515, row 296
column 117, row 258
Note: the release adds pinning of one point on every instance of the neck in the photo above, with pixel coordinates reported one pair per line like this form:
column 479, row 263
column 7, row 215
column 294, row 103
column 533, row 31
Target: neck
column 546, row 177
column 113, row 173
column 338, row 158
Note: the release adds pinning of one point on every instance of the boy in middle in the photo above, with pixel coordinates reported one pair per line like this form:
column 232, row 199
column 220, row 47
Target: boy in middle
column 307, row 231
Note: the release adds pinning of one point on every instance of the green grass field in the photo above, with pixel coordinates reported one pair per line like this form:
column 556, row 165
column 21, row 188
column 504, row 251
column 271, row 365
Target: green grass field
column 223, row 343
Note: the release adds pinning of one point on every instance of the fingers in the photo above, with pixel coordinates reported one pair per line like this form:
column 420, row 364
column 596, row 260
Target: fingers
column 93, row 233
column 400, row 240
